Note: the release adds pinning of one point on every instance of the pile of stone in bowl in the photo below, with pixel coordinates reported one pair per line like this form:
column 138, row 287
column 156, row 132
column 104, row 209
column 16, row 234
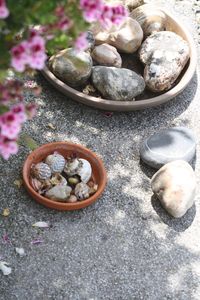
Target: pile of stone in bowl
column 107, row 68
column 63, row 180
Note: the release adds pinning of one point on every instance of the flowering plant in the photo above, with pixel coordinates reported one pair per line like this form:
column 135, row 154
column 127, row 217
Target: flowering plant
column 30, row 31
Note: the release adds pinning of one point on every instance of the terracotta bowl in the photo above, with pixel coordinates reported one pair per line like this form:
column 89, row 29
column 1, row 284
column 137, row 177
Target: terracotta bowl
column 98, row 173
column 148, row 99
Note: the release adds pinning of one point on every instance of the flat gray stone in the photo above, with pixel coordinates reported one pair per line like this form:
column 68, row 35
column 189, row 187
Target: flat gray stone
column 168, row 145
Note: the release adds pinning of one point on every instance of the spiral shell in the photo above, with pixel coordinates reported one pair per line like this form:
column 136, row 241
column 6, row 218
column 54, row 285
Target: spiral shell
column 41, row 171
column 150, row 19
column 56, row 162
column 82, row 191
column 36, row 184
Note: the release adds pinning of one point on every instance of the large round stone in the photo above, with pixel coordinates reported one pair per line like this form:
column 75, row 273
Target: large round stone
column 126, row 38
column 175, row 186
column 165, row 54
column 71, row 66
column 117, row 84
column 168, row 145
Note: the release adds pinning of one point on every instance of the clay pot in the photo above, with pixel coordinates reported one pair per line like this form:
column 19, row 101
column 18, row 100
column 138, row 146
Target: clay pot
column 66, row 149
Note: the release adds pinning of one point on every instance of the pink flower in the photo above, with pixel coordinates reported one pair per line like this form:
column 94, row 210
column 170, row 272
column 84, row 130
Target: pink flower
column 64, row 24
column 81, row 42
column 7, row 147
column 36, row 51
column 31, row 109
column 29, row 53
column 19, row 111
column 91, row 9
column 95, row 10
column 119, row 14
column 60, row 11
column 11, row 90
column 10, row 125
column 19, row 56
column 4, row 94
column 106, row 16
column 113, row 15
column 4, row 12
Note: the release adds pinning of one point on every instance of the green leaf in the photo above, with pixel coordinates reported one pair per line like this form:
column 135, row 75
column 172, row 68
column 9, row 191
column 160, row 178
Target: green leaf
column 27, row 141
column 3, row 109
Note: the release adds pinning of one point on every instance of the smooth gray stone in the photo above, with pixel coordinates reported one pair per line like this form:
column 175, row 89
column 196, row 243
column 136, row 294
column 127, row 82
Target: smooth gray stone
column 117, row 84
column 168, row 145
column 71, row 66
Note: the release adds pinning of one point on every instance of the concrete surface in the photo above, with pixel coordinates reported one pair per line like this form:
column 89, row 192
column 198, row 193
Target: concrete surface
column 124, row 246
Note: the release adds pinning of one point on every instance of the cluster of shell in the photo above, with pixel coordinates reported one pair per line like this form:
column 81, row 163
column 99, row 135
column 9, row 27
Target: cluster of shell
column 64, row 180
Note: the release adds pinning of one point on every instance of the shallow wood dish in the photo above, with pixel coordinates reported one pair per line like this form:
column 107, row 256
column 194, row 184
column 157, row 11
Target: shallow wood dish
column 147, row 99
column 65, row 148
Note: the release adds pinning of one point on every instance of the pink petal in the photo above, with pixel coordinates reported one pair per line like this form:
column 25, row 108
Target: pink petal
column 36, row 242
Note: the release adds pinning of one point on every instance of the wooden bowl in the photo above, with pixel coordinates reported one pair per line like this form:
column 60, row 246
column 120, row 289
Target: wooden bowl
column 98, row 173
column 146, row 100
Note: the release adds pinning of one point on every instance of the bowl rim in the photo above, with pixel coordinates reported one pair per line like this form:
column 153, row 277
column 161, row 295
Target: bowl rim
column 64, row 205
column 114, row 105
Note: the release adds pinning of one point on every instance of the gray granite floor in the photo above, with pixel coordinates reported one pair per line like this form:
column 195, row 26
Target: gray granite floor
column 124, row 246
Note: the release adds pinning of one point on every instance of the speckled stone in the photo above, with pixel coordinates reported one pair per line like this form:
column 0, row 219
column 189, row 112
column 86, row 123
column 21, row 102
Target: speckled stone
column 71, row 66
column 175, row 186
column 106, row 55
column 90, row 39
column 117, row 84
column 168, row 145
column 165, row 54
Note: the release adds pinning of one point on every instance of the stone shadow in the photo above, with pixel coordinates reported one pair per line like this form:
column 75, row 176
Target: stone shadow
column 178, row 224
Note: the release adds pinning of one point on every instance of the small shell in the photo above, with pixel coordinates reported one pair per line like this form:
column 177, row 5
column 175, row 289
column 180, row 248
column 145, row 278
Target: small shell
column 59, row 192
column 151, row 19
column 82, row 191
column 41, row 171
column 73, row 180
column 46, row 185
column 93, row 189
column 85, row 171
column 56, row 162
column 58, row 179
column 79, row 166
column 72, row 166
column 20, row 251
column 72, row 199
column 36, row 184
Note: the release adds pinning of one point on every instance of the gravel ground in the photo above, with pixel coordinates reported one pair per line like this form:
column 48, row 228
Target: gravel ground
column 124, row 246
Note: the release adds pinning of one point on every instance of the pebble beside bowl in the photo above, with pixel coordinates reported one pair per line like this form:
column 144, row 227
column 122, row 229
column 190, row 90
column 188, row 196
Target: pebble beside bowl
column 65, row 148
column 148, row 101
